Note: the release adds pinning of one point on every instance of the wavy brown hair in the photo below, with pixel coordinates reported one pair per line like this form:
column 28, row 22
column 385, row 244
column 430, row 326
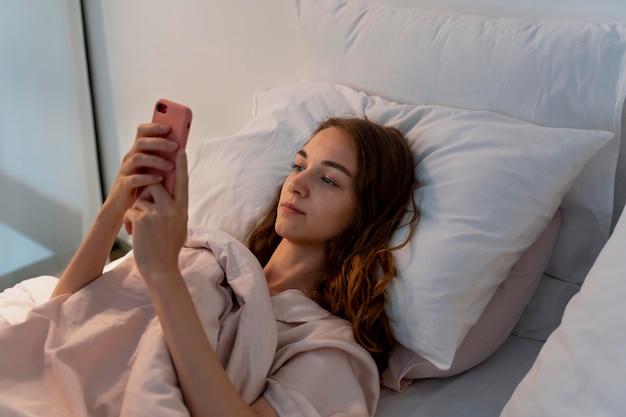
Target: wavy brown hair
column 358, row 265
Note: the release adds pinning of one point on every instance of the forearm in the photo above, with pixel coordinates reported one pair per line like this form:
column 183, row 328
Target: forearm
column 206, row 388
column 93, row 253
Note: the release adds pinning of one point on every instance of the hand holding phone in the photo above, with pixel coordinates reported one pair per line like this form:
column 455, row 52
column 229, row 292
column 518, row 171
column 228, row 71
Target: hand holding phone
column 178, row 117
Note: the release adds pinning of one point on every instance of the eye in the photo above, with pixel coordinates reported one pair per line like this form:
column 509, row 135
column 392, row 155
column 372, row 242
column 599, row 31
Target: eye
column 296, row 168
column 328, row 181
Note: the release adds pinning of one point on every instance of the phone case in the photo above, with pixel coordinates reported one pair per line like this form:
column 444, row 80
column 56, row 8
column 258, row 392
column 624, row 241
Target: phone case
column 178, row 117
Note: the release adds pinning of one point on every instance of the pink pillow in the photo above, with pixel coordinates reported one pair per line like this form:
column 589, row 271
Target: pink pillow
column 494, row 325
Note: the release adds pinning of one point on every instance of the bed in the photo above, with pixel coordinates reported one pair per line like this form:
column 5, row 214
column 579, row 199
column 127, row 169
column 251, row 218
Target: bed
column 509, row 296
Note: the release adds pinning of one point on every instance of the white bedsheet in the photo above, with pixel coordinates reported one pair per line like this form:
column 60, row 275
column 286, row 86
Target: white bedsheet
column 17, row 301
column 480, row 392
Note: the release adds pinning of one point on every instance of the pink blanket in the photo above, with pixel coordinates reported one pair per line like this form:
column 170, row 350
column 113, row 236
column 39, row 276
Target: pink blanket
column 100, row 352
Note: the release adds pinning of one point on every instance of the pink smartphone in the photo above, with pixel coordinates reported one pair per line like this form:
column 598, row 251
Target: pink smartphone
column 178, row 117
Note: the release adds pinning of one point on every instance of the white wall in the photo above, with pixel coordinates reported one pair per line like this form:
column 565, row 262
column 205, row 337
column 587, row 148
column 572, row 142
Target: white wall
column 209, row 55
column 49, row 184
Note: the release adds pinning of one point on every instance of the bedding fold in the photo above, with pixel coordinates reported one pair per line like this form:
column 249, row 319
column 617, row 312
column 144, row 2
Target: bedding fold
column 101, row 351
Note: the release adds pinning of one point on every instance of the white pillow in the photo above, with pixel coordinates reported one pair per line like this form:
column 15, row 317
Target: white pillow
column 494, row 325
column 557, row 72
column 489, row 186
column 581, row 369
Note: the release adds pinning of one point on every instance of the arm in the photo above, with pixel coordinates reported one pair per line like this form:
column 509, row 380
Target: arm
column 159, row 230
column 205, row 385
column 90, row 258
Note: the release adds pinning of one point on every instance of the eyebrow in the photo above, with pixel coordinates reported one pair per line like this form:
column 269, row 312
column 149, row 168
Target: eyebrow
column 328, row 163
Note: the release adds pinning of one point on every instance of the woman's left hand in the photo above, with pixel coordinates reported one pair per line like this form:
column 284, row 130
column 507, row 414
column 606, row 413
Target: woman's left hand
column 159, row 231
column 159, row 224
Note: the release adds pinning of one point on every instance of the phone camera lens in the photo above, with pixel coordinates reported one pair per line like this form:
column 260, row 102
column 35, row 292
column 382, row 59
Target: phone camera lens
column 161, row 108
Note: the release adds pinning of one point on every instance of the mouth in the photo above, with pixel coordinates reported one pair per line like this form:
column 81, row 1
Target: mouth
column 291, row 208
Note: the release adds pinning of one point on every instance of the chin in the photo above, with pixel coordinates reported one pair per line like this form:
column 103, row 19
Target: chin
column 281, row 230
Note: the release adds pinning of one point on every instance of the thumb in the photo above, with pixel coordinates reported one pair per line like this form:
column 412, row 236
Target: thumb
column 181, row 190
column 128, row 225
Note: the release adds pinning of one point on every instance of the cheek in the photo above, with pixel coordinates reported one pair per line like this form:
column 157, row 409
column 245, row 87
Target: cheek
column 346, row 214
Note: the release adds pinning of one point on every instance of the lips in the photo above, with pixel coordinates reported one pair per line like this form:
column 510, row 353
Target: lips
column 291, row 208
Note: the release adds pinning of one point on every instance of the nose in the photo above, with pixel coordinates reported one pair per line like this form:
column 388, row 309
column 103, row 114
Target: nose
column 298, row 183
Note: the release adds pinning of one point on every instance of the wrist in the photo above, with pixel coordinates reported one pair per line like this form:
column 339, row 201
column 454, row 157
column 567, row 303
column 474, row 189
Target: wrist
column 163, row 283
column 159, row 273
column 111, row 211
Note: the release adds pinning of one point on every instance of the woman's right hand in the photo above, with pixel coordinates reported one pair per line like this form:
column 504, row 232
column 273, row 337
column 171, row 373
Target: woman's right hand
column 91, row 256
column 132, row 178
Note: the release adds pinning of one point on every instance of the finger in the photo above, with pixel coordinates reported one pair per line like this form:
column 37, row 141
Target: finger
column 140, row 181
column 155, row 143
column 145, row 200
column 181, row 189
column 150, row 152
column 152, row 129
column 128, row 224
column 136, row 162
column 158, row 194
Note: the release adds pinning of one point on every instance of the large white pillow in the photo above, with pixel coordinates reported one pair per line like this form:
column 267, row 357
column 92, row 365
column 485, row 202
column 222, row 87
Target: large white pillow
column 489, row 186
column 556, row 72
column 581, row 369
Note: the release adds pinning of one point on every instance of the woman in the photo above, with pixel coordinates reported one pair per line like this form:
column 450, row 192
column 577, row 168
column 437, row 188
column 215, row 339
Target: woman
column 326, row 236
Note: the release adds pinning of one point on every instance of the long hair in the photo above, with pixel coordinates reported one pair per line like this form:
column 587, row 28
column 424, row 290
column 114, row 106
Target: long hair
column 358, row 265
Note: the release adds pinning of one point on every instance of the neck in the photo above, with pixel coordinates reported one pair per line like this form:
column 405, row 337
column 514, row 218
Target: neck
column 292, row 267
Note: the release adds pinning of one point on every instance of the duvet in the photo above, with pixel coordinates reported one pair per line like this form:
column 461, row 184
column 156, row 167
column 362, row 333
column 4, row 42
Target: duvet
column 100, row 351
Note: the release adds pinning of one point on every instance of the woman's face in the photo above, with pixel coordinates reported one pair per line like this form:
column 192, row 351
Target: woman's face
column 318, row 201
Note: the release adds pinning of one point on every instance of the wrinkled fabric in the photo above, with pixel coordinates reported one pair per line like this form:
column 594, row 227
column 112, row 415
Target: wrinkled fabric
column 319, row 369
column 101, row 352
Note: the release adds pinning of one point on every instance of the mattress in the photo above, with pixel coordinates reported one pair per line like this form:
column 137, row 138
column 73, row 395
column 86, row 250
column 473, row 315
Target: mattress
column 480, row 392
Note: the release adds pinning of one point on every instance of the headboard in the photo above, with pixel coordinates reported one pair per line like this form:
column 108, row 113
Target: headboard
column 213, row 55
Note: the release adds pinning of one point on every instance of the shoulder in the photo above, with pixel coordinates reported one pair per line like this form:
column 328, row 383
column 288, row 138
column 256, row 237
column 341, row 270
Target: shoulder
column 303, row 324
column 324, row 382
column 318, row 361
